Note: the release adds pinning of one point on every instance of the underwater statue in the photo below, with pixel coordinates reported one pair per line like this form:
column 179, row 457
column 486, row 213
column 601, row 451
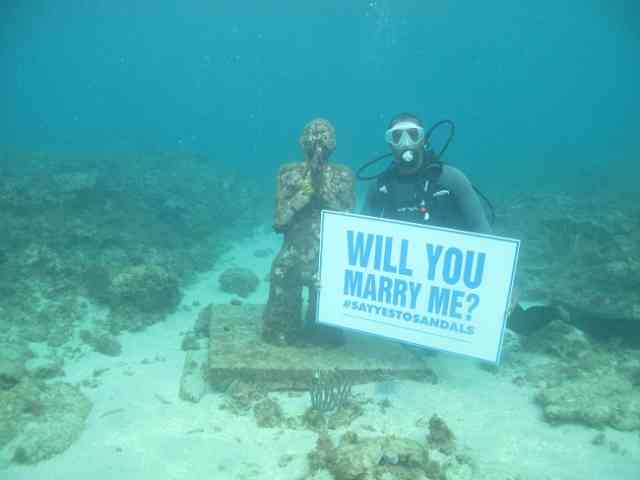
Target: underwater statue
column 303, row 190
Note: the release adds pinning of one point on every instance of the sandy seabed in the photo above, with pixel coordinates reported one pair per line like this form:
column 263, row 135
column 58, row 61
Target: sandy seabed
column 140, row 429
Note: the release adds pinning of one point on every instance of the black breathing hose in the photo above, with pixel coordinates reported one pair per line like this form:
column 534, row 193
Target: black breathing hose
column 427, row 137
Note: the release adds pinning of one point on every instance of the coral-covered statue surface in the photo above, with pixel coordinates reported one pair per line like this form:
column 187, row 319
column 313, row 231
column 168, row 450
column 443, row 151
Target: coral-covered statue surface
column 303, row 190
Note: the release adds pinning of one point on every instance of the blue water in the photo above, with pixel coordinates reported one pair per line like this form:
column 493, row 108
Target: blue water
column 544, row 96
column 542, row 92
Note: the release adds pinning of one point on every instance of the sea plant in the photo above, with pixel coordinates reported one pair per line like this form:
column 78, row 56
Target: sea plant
column 329, row 390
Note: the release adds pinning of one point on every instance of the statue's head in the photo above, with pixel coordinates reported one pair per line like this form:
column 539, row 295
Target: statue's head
column 318, row 140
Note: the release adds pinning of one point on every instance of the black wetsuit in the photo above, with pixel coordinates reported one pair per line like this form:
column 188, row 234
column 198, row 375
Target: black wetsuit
column 437, row 194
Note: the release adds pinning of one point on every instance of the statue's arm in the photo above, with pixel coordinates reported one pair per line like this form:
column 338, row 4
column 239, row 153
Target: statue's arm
column 339, row 191
column 293, row 193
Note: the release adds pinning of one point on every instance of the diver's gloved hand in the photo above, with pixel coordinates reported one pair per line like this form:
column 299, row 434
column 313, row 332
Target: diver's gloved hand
column 515, row 301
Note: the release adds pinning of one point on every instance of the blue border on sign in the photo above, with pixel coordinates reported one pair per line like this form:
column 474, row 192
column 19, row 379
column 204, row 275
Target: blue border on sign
column 325, row 213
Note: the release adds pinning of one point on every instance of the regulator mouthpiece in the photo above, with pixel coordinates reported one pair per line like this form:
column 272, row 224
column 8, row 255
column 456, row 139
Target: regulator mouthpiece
column 407, row 156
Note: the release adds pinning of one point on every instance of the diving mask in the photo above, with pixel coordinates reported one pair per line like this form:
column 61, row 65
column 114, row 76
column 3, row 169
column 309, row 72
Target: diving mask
column 404, row 135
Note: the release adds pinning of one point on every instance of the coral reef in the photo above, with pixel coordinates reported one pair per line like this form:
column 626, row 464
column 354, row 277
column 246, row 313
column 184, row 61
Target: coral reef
column 342, row 417
column 145, row 288
column 41, row 420
column 89, row 246
column 44, row 368
column 240, row 281
column 11, row 372
column 240, row 397
column 440, row 436
column 268, row 413
column 390, row 457
column 596, row 402
column 585, row 382
column 590, row 247
column 101, row 342
column 120, row 231
column 38, row 418
column 560, row 339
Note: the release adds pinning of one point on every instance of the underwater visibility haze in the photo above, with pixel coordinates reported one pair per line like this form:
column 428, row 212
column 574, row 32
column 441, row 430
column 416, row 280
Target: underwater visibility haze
column 163, row 168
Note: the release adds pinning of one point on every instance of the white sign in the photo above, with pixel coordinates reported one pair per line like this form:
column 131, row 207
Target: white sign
column 429, row 286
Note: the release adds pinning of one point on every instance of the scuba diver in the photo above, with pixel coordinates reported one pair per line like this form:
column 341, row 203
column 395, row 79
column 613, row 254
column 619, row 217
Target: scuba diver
column 417, row 187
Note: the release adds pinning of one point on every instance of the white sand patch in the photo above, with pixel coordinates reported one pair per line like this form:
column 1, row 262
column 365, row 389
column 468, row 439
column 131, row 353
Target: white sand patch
column 140, row 429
